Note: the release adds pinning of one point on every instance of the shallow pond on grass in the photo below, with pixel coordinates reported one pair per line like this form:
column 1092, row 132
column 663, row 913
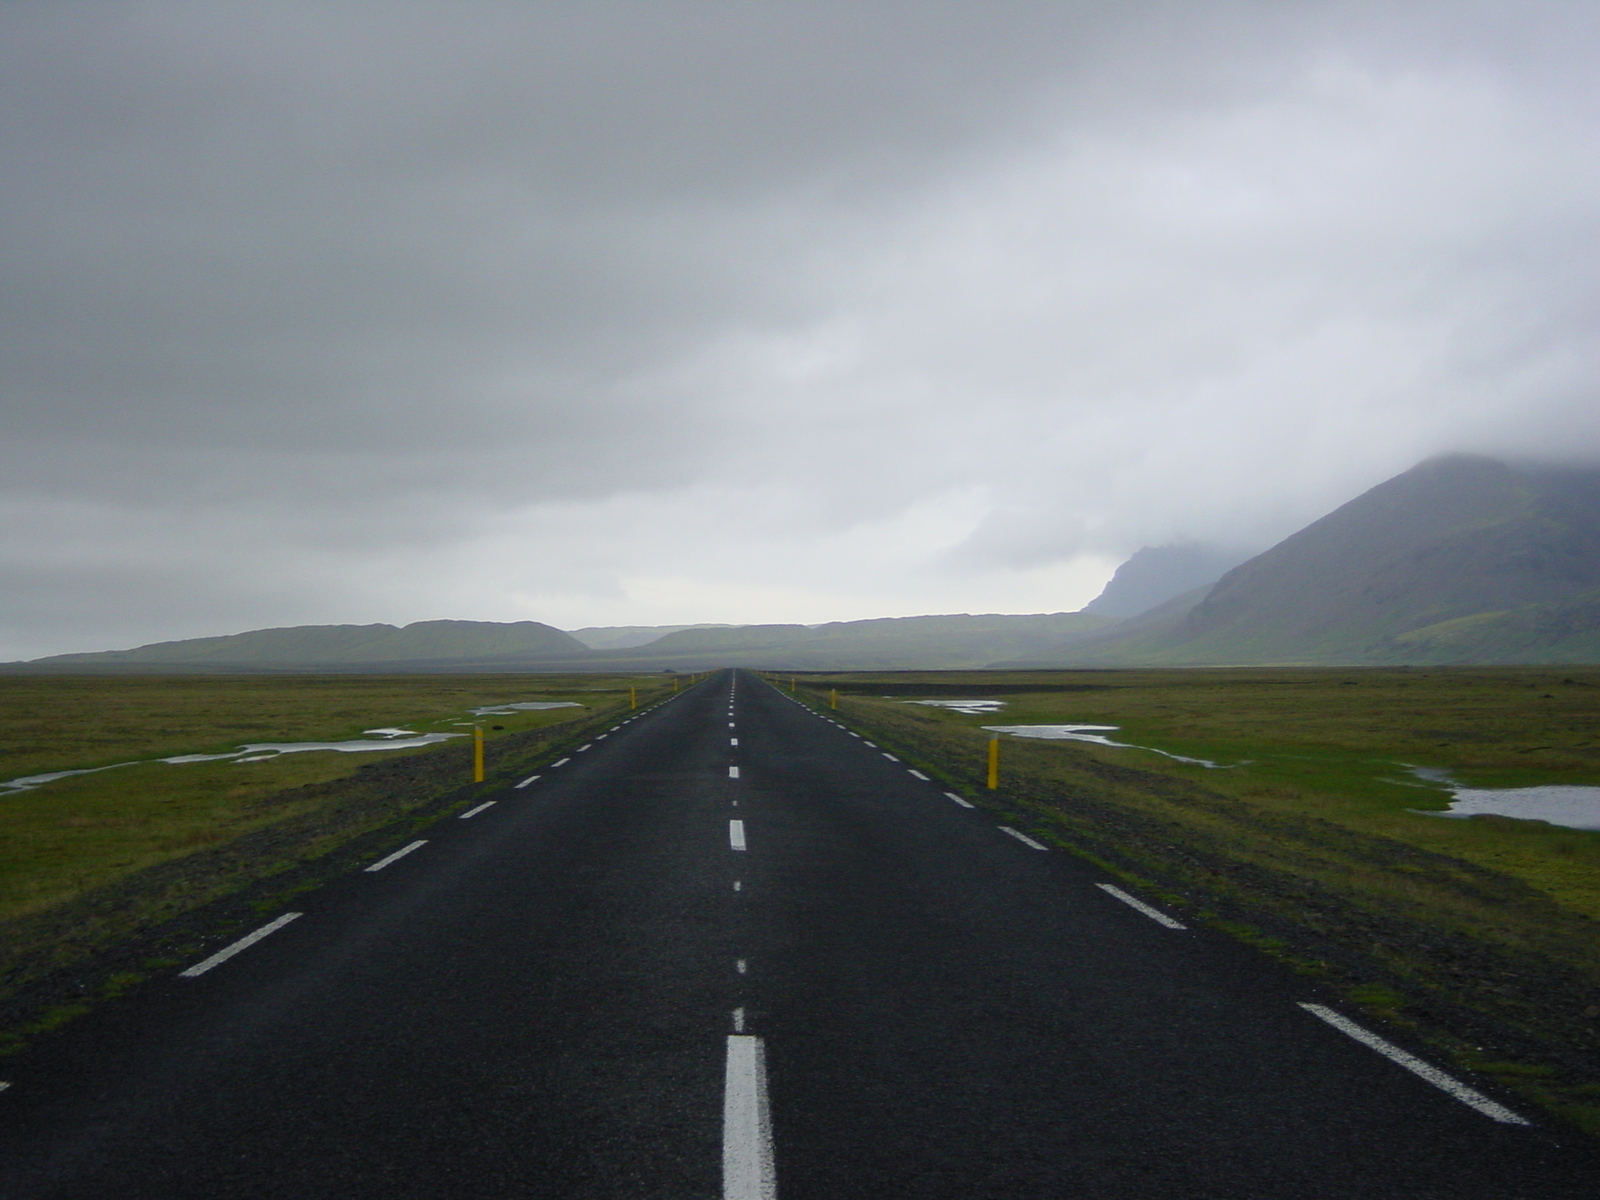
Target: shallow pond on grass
column 1097, row 735
column 1574, row 806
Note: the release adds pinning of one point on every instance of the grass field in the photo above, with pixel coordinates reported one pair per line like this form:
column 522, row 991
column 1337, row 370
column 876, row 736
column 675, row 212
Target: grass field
column 68, row 837
column 1484, row 932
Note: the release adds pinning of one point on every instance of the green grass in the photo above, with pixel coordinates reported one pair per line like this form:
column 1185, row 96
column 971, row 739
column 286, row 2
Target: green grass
column 65, row 838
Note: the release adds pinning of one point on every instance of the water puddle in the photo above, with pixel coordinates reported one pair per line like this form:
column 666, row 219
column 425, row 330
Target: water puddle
column 1097, row 735
column 1573, row 806
column 520, row 706
column 971, row 708
column 254, row 752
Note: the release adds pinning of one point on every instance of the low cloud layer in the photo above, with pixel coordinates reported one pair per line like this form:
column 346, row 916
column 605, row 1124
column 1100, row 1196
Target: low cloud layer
column 599, row 313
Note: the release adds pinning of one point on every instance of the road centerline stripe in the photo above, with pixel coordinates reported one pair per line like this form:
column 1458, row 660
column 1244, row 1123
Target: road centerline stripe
column 748, row 1172
column 733, row 772
column 959, row 800
column 736, row 834
column 1445, row 1083
column 527, row 781
column 920, row 776
column 244, row 943
column 1154, row 914
column 400, row 853
column 472, row 812
column 560, row 762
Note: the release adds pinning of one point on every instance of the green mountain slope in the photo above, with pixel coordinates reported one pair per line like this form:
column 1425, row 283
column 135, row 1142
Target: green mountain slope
column 1461, row 559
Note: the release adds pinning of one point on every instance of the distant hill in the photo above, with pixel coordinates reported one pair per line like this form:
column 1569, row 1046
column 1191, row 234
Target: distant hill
column 1461, row 559
column 338, row 645
column 622, row 637
column 908, row 643
column 1156, row 574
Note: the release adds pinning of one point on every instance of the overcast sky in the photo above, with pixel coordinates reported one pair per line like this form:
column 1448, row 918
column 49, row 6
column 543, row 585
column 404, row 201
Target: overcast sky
column 602, row 313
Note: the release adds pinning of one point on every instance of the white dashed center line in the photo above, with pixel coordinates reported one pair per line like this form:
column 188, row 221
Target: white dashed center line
column 747, row 1167
column 736, row 834
column 244, row 943
column 733, row 772
column 733, row 741
column 1447, row 1083
column 398, row 854
column 1155, row 915
column 959, row 800
column 583, row 747
column 527, row 781
column 472, row 812
column 920, row 776
column 560, row 762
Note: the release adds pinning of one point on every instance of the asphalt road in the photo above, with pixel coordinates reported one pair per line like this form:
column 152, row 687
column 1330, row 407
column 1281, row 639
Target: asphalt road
column 732, row 950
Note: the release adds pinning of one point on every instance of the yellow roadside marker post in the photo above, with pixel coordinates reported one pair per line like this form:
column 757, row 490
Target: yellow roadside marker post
column 674, row 683
column 477, row 754
column 791, row 685
column 994, row 761
column 633, row 697
column 833, row 697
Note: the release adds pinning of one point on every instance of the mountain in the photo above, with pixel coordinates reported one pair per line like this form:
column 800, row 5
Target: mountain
column 1155, row 574
column 339, row 645
column 622, row 637
column 1460, row 559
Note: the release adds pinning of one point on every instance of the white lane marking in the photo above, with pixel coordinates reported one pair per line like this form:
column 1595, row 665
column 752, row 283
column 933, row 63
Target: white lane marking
column 733, row 741
column 874, row 745
column 737, row 886
column 472, row 812
column 959, row 800
column 733, row 772
column 1023, row 838
column 730, row 724
column 747, row 1168
column 1155, row 915
column 527, row 781
column 602, row 737
column 736, row 834
column 1446, row 1083
column 890, row 757
column 583, row 747
column 738, row 1020
column 741, row 966
column 560, row 762
column 921, row 776
column 244, row 943
column 4, row 1084
column 400, row 853
column 855, row 735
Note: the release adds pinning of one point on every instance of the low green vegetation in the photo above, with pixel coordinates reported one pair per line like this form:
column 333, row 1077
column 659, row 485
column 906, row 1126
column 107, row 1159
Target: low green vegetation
column 1312, row 839
column 68, row 837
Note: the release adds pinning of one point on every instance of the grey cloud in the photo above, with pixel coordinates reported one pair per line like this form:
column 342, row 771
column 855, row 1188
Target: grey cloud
column 331, row 292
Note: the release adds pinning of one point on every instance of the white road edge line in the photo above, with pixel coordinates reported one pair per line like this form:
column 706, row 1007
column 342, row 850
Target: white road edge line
column 890, row 757
column 560, row 762
column 400, row 853
column 472, row 812
column 736, row 834
column 959, row 800
column 1155, row 915
column 733, row 772
column 1023, row 838
column 747, row 1167
column 1445, row 1083
column 920, row 775
column 244, row 943
column 527, row 781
